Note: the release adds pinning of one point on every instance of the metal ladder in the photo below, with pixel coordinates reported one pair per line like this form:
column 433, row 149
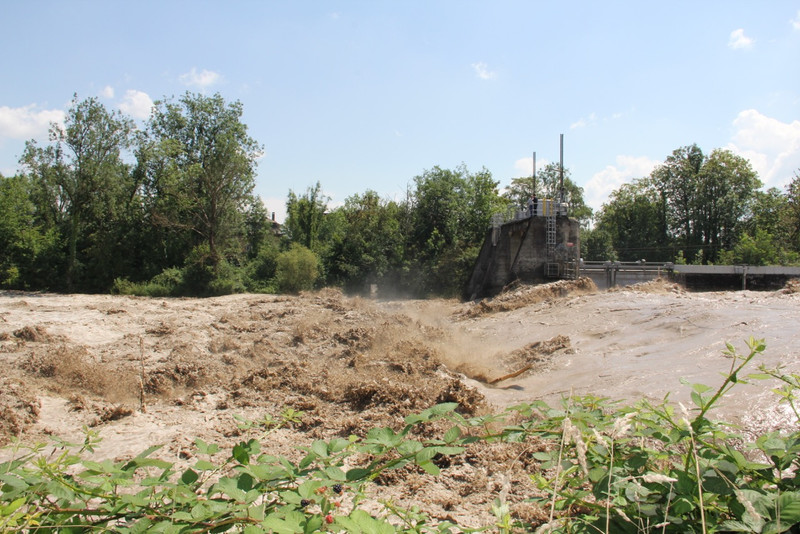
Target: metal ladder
column 551, row 267
column 551, row 232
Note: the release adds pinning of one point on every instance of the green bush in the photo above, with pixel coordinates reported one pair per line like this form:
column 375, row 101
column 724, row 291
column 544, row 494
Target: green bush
column 296, row 269
column 165, row 284
column 261, row 270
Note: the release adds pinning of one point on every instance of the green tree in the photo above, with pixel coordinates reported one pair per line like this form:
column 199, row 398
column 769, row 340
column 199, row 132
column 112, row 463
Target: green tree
column 369, row 243
column 450, row 213
column 199, row 162
column 632, row 221
column 304, row 216
column 597, row 245
column 548, row 185
column 677, row 181
column 790, row 218
column 725, row 197
column 26, row 244
column 80, row 176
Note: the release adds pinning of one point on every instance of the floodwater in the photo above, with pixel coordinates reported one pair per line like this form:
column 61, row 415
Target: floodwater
column 632, row 344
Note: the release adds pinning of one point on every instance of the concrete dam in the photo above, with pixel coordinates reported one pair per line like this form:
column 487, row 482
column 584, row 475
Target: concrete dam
column 534, row 245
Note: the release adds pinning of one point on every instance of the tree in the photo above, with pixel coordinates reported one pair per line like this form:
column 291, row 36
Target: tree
column 631, row 220
column 791, row 215
column 304, row 216
column 706, row 200
column 548, row 185
column 725, row 196
column 200, row 162
column 26, row 244
column 450, row 213
column 80, row 176
column 368, row 245
column 677, row 181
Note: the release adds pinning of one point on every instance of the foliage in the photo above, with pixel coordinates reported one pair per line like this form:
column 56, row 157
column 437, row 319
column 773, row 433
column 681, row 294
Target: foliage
column 705, row 200
column 249, row 492
column 296, row 269
column 548, row 185
column 80, row 183
column 198, row 164
column 633, row 221
column 449, row 214
column 304, row 216
column 29, row 249
column 366, row 243
column 597, row 245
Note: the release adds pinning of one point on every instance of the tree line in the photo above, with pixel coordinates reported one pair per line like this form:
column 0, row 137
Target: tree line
column 169, row 209
column 699, row 208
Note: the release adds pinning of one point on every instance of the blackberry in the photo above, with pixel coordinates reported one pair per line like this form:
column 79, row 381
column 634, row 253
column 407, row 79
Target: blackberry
column 337, row 489
column 304, row 502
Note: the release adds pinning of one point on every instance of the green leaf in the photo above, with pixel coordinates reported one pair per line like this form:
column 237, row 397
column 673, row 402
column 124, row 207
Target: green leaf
column 789, row 506
column 280, row 526
column 453, row 434
column 430, row 468
column 189, row 476
column 200, row 511
column 409, row 446
column 307, row 488
column 425, row 455
column 230, row 487
column 357, row 473
column 268, row 472
column 431, row 413
column 241, row 454
column 681, row 507
column 449, row 451
column 204, row 465
column 320, row 448
column 337, row 445
column 384, row 436
column 335, row 473
column 11, row 507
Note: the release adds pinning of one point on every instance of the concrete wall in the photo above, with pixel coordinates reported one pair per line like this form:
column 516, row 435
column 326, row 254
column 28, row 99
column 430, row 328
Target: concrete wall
column 517, row 250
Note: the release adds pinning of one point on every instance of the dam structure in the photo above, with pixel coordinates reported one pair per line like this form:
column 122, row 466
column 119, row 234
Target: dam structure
column 534, row 245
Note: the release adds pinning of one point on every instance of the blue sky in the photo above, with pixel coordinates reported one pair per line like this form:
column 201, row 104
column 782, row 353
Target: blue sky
column 368, row 94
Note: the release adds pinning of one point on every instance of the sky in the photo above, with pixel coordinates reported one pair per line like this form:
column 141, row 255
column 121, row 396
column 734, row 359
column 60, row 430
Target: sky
column 366, row 95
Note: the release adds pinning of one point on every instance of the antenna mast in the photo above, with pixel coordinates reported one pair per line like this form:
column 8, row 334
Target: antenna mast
column 561, row 170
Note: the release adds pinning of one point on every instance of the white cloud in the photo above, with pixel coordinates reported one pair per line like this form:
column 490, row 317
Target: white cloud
column 583, row 122
column 796, row 21
column 107, row 92
column 482, row 70
column 202, row 79
column 136, row 104
column 28, row 122
column 772, row 146
column 739, row 40
column 626, row 169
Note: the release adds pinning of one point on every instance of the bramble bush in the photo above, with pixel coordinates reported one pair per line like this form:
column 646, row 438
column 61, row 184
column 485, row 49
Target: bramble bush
column 606, row 468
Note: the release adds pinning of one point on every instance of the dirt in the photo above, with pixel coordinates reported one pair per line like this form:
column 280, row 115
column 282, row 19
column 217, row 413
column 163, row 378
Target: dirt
column 144, row 372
